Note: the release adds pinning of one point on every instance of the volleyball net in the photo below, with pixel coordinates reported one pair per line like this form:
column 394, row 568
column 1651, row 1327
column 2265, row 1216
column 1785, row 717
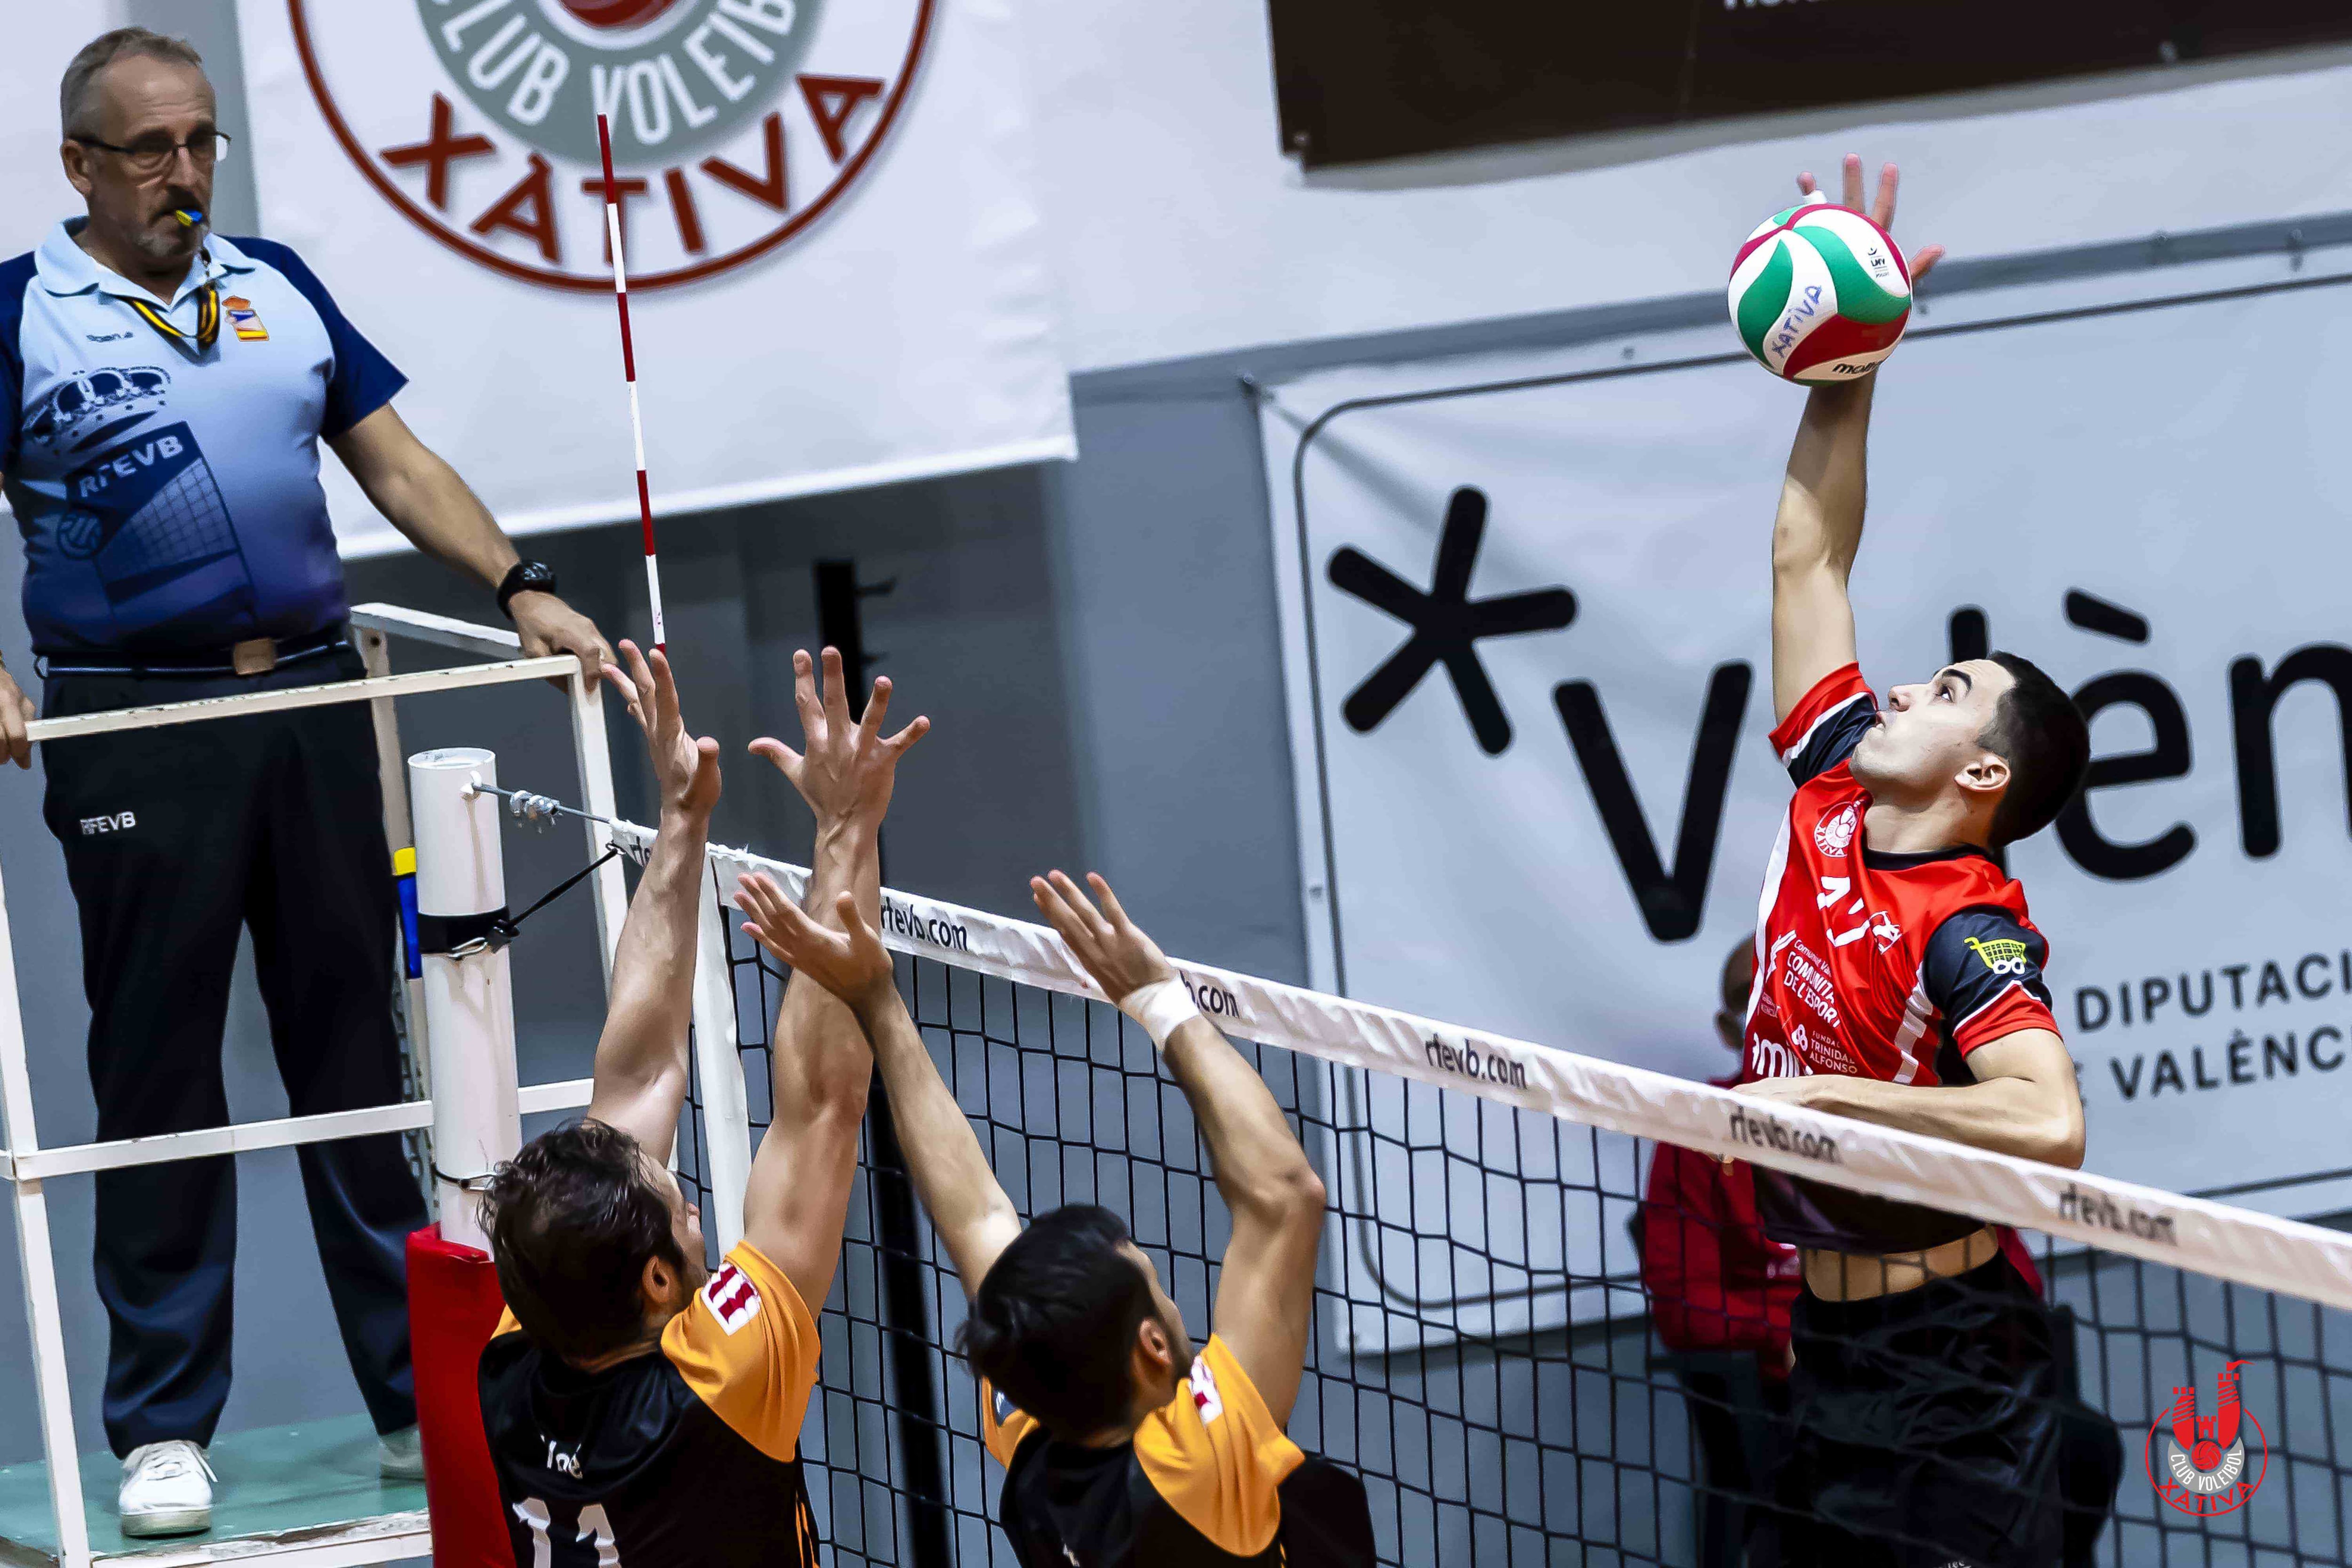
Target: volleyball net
column 1518, row 1344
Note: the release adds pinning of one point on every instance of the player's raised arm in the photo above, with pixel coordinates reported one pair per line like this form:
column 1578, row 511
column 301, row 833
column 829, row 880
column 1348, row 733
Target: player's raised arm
column 798, row 1193
column 1266, row 1293
column 1818, row 528
column 952, row 1173
column 641, row 1073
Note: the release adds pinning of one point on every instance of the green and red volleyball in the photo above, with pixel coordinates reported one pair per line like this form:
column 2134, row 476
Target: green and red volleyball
column 1819, row 293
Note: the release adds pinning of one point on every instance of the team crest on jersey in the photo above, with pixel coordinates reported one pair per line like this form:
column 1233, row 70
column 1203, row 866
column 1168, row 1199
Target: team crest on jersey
column 89, row 405
column 1205, row 1397
column 244, row 319
column 1833, row 835
column 732, row 1299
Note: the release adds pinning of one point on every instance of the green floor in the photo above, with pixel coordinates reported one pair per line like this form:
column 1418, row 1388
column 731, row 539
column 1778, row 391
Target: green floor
column 272, row 1480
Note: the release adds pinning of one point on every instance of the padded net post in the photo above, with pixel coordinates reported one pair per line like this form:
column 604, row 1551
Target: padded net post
column 468, row 994
column 453, row 1306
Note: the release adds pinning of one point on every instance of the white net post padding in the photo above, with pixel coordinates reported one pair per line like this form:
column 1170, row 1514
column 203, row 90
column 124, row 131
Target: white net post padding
column 469, row 996
column 718, row 1066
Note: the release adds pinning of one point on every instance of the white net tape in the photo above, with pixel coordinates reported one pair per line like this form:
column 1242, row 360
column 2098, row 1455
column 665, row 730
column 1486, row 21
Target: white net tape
column 2281, row 1255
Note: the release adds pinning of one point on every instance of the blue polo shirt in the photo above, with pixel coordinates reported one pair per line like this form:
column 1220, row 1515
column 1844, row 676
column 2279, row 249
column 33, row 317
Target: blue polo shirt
column 169, row 497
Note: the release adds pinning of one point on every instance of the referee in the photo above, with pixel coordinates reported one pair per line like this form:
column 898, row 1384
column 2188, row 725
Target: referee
column 167, row 390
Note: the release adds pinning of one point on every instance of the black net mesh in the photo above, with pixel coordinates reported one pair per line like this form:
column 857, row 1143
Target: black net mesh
column 1589, row 1439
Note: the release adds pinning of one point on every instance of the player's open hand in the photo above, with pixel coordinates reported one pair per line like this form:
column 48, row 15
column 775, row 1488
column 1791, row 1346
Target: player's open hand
column 849, row 767
column 1880, row 209
column 685, row 768
column 850, row 962
column 1109, row 946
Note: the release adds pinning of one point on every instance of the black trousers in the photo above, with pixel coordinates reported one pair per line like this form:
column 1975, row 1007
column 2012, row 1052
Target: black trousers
column 1928, row 1430
column 174, row 838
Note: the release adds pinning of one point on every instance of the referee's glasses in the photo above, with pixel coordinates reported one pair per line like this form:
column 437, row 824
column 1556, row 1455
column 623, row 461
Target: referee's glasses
column 151, row 155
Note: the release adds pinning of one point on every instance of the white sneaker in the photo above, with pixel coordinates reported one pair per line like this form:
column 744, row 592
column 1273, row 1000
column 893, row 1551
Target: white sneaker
column 167, row 1490
column 400, row 1456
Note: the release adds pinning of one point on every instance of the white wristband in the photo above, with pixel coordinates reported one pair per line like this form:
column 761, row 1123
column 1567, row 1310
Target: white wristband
column 1161, row 1007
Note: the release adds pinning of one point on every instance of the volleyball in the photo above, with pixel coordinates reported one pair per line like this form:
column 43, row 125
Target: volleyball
column 1819, row 293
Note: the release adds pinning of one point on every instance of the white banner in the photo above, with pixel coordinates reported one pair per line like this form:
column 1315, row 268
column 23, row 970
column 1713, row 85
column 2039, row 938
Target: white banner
column 2109, row 490
column 837, row 264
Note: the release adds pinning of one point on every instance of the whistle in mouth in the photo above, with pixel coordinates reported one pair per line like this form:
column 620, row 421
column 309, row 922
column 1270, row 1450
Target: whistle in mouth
column 189, row 216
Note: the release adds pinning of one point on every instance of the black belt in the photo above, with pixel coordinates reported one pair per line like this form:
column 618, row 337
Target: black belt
column 203, row 661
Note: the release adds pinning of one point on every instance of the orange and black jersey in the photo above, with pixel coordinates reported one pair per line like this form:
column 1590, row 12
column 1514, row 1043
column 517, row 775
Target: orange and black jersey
column 1209, row 1481
column 687, row 1456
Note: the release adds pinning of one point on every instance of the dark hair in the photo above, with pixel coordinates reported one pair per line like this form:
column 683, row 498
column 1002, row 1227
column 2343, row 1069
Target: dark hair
column 2041, row 734
column 74, row 89
column 1740, row 975
column 573, row 1220
column 1053, row 1323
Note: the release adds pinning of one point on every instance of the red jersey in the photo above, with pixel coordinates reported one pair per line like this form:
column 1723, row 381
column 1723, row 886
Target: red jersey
column 1887, row 966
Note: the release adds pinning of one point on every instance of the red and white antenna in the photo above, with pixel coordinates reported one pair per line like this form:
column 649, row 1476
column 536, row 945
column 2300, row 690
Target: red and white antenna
column 629, row 369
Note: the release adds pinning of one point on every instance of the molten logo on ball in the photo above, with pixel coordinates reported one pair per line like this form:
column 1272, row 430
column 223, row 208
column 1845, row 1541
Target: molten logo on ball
column 2208, row 1468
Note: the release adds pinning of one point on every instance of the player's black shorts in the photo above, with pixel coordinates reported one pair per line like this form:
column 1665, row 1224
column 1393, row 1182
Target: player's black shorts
column 1927, row 1430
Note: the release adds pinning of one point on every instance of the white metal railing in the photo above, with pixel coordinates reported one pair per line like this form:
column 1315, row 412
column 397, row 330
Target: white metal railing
column 25, row 1165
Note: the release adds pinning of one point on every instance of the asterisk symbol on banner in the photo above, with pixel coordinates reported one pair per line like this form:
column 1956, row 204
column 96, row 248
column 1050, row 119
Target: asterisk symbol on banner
column 1446, row 622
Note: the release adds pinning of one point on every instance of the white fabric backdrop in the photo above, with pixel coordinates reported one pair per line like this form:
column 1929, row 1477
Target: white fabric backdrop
column 2134, row 457
column 909, row 329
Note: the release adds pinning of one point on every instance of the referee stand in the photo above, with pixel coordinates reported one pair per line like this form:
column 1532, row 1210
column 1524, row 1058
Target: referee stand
column 299, row 1497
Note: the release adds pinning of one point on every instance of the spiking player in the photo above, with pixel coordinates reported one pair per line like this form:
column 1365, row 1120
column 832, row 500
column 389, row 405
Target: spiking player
column 640, row 1409
column 1122, row 1449
column 1899, row 981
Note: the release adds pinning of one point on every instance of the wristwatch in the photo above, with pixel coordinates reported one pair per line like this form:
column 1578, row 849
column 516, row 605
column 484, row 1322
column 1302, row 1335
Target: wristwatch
column 525, row 577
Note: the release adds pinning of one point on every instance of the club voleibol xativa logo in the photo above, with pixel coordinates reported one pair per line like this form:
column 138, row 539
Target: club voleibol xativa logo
column 2208, row 1464
column 736, row 123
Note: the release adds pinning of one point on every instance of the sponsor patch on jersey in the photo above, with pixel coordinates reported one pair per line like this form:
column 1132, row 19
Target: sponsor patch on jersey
column 732, row 1299
column 2002, row 955
column 1205, row 1397
column 1832, row 834
column 1820, row 1053
column 244, row 319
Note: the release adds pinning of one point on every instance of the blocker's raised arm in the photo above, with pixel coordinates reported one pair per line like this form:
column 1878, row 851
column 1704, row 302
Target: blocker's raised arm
column 641, row 1073
column 951, row 1172
column 798, row 1195
column 1265, row 1294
